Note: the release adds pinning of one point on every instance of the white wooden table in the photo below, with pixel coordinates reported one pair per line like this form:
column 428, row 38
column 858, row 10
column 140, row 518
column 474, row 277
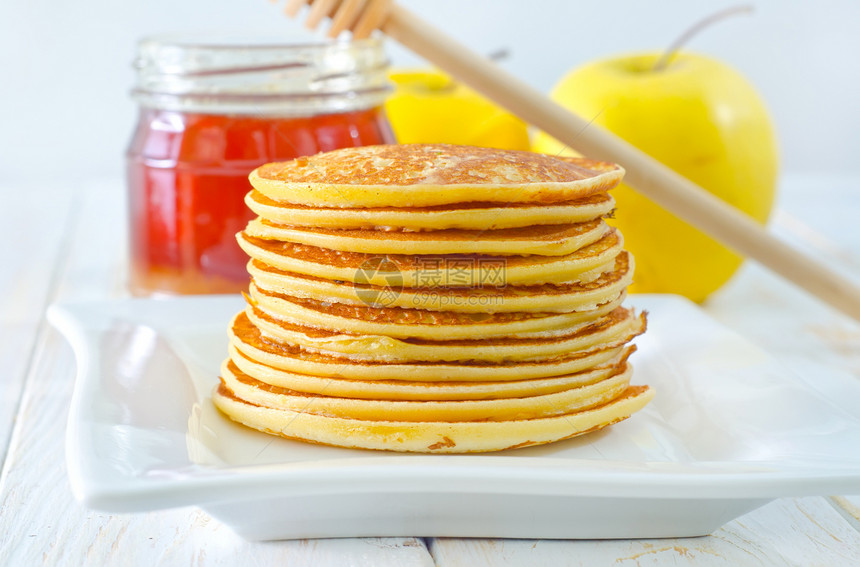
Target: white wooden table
column 61, row 242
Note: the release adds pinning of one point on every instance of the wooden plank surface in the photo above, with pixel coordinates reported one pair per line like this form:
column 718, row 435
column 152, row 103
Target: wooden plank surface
column 31, row 236
column 849, row 508
column 40, row 521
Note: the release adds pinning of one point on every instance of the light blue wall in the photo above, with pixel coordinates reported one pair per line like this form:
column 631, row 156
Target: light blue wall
column 64, row 108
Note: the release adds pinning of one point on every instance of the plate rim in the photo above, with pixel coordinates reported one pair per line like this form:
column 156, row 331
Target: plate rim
column 566, row 478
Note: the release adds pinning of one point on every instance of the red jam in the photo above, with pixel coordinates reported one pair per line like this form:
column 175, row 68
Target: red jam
column 212, row 109
column 187, row 179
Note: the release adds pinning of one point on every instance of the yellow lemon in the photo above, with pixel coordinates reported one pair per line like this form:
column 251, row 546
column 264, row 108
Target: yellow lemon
column 699, row 117
column 429, row 107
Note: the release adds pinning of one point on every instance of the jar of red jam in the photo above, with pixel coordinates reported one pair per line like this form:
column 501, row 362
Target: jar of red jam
column 211, row 112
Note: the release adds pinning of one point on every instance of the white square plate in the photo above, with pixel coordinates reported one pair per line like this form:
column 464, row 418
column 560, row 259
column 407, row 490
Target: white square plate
column 728, row 430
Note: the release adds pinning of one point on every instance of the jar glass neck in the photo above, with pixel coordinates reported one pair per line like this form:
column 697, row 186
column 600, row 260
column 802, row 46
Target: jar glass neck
column 252, row 78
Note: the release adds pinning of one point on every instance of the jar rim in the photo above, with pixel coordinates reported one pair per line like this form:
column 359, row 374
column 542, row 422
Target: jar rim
column 236, row 72
column 223, row 40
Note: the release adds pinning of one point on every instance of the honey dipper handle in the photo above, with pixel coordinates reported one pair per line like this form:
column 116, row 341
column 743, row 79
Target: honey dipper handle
column 648, row 176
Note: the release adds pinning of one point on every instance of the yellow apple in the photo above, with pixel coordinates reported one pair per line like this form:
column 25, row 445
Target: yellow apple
column 429, row 107
column 701, row 118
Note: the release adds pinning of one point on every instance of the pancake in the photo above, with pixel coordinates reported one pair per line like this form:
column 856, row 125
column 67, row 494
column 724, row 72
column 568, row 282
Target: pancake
column 429, row 436
column 438, row 271
column 406, row 390
column 500, row 409
column 543, row 240
column 426, row 175
column 419, row 323
column 248, row 340
column 432, row 298
column 559, row 298
column 620, row 324
column 469, row 216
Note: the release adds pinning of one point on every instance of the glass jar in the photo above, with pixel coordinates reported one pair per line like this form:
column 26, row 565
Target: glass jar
column 211, row 112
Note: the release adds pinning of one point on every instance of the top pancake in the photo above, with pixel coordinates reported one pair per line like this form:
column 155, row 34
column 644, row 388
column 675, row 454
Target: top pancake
column 426, row 175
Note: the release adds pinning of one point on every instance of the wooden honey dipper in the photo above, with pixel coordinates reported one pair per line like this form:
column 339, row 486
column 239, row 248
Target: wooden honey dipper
column 646, row 175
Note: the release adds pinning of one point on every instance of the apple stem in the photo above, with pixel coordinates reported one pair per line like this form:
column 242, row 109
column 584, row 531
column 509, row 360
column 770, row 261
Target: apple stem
column 673, row 49
column 499, row 54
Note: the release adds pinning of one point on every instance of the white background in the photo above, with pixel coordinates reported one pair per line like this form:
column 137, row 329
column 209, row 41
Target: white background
column 66, row 72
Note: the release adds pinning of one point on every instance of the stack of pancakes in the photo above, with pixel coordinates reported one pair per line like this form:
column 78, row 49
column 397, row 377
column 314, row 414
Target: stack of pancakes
column 432, row 298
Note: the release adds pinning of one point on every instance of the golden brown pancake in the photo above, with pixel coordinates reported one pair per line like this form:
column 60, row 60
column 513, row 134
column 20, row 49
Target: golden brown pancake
column 544, row 240
column 436, row 271
column 426, row 175
column 249, row 340
column 429, row 436
column 401, row 323
column 377, row 389
column 556, row 298
column 620, row 324
column 498, row 409
column 470, row 216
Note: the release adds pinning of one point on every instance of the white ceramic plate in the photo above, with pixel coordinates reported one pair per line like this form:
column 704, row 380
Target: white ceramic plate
column 728, row 430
